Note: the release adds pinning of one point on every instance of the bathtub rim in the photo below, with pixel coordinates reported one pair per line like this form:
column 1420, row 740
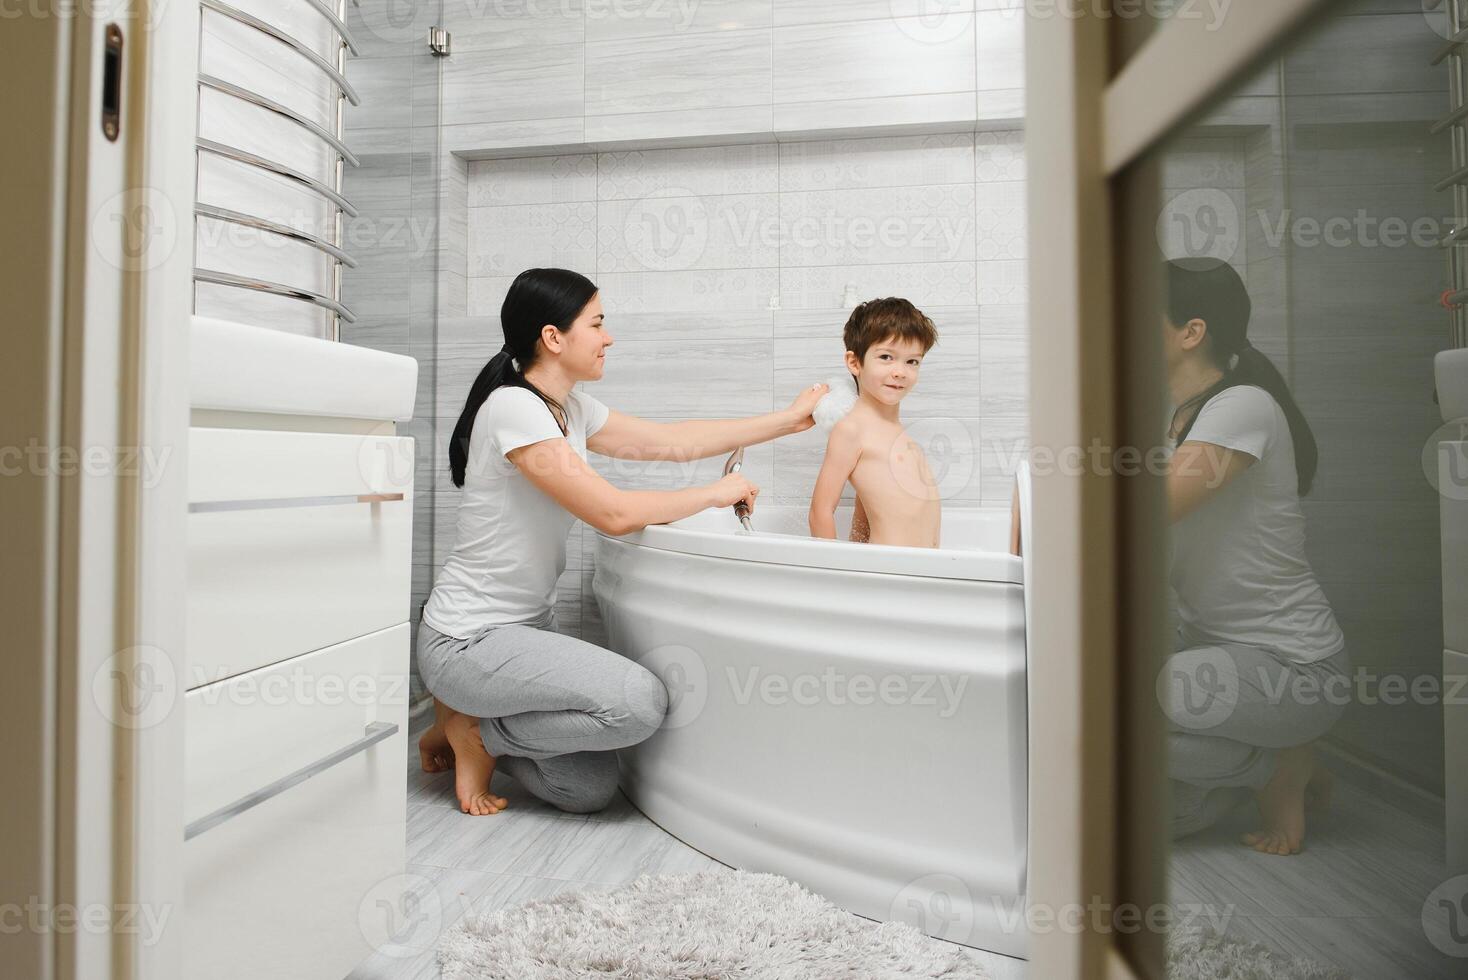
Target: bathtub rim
column 775, row 548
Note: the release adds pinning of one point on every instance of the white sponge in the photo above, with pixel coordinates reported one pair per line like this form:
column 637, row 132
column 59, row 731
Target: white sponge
column 834, row 404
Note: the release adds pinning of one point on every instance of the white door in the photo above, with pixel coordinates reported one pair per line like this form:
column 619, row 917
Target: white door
column 93, row 419
column 1281, row 104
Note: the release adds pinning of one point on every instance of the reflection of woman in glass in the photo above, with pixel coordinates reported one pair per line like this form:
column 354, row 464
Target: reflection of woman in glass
column 1261, row 670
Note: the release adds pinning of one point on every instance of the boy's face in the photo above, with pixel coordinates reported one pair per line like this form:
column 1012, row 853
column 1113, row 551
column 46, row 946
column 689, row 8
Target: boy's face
column 890, row 369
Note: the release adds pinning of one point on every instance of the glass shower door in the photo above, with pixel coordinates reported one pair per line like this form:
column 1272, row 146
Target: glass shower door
column 395, row 134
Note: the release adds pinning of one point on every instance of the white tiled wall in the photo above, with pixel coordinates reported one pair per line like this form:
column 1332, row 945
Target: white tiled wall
column 593, row 73
column 724, row 273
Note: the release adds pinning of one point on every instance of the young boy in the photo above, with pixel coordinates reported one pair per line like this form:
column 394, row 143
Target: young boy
column 896, row 498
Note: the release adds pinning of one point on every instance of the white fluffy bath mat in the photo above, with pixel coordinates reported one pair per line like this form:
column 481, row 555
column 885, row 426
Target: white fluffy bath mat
column 1197, row 954
column 707, row 926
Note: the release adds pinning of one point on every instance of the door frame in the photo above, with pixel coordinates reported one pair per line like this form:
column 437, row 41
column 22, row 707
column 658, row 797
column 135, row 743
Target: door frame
column 1095, row 539
column 99, row 293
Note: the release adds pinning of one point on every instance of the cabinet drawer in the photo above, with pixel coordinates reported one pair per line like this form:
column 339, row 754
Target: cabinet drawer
column 277, row 890
column 283, row 555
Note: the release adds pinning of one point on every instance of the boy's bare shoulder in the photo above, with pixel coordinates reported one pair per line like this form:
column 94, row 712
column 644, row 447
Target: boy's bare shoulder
column 847, row 430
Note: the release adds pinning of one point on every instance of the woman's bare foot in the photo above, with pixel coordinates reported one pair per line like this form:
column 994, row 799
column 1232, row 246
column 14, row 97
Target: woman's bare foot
column 433, row 745
column 1282, row 803
column 473, row 767
column 434, row 750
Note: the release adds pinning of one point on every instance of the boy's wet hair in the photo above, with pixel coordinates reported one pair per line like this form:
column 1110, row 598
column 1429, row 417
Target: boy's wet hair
column 892, row 317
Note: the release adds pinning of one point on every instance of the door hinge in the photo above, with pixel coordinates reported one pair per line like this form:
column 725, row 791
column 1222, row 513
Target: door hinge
column 438, row 41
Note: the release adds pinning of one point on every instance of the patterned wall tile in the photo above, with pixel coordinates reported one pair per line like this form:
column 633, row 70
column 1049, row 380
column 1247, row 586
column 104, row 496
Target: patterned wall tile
column 999, row 155
column 877, row 226
column 684, row 172
column 505, row 240
column 672, row 234
column 718, row 290
column 1001, row 218
column 894, row 161
column 533, row 180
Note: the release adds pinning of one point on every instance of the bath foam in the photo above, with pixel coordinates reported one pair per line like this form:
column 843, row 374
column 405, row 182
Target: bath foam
column 834, row 405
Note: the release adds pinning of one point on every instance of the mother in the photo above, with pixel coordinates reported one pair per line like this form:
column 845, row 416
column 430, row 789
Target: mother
column 1262, row 669
column 509, row 691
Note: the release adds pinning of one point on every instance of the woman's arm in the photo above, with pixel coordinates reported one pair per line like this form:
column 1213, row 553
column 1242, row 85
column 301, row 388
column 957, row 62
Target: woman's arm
column 629, row 437
column 1197, row 471
column 843, row 449
column 561, row 474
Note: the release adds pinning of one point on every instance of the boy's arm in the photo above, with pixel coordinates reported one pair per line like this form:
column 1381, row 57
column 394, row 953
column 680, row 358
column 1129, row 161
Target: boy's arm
column 861, row 531
column 842, row 451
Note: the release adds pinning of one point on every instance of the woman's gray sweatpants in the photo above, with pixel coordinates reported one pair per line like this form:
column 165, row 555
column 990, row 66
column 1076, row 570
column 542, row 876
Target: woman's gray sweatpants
column 553, row 709
column 1229, row 707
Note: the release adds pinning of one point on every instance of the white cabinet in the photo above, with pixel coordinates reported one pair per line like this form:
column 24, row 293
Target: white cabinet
column 278, row 889
column 299, row 568
column 296, row 541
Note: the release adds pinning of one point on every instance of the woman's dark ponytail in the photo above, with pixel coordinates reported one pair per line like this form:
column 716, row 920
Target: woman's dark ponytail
column 499, row 371
column 1253, row 368
column 537, row 297
column 1210, row 290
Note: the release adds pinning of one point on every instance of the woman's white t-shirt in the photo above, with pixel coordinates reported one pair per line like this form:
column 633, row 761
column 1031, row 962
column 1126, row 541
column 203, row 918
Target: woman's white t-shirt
column 510, row 540
column 1238, row 564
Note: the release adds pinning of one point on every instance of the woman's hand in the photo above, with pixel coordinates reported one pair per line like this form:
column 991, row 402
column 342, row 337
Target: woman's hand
column 805, row 404
column 731, row 490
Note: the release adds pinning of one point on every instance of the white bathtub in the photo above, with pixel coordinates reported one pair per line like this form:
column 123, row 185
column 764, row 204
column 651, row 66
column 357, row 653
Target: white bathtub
column 849, row 716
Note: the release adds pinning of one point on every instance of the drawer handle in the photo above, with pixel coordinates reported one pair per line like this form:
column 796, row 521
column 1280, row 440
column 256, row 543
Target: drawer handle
column 376, row 732
column 276, row 503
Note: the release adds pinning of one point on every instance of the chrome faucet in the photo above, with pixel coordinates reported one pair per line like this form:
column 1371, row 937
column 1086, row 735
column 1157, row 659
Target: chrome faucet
column 734, row 464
